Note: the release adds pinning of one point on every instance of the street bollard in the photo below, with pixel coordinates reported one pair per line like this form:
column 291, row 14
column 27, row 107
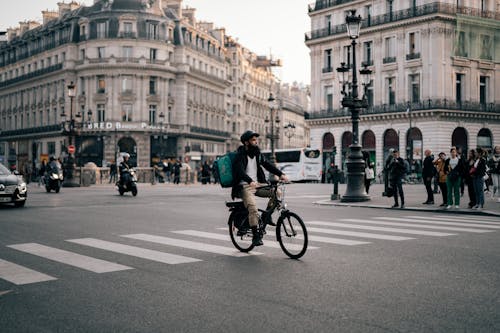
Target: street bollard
column 335, row 177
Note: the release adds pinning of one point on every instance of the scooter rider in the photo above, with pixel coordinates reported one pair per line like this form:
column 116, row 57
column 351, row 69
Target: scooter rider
column 124, row 168
column 248, row 174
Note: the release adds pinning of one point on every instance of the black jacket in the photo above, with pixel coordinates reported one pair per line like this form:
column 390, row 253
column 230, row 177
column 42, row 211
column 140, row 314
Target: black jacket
column 240, row 166
column 429, row 169
column 460, row 167
column 124, row 167
column 481, row 168
column 397, row 169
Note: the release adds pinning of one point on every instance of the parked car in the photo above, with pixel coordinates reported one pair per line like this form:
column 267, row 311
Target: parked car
column 13, row 188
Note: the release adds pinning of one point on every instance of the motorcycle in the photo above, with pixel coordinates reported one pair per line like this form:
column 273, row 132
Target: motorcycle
column 127, row 182
column 54, row 178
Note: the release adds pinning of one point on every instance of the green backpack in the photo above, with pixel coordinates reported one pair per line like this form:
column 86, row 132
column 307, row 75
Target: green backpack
column 224, row 168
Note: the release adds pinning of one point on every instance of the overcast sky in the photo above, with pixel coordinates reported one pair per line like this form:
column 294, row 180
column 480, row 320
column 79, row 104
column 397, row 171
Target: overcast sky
column 263, row 26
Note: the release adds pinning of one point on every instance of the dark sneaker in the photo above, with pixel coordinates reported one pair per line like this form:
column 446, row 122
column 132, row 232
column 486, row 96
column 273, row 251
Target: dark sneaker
column 402, row 206
column 395, row 206
column 257, row 240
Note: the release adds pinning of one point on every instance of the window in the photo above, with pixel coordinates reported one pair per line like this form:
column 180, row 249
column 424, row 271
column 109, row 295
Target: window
column 328, row 23
column 367, row 53
column 483, row 90
column 461, row 47
column 152, row 114
column 101, row 112
column 486, row 47
column 82, row 54
column 127, row 112
column 414, row 80
column 127, row 27
column 459, row 88
column 368, row 14
column 100, row 52
column 51, row 147
column 328, row 61
column 329, row 98
column 101, row 84
column 391, row 91
column 153, row 31
column 127, row 84
column 152, row 54
column 390, row 9
column 127, row 52
column 411, row 43
column 347, row 55
column 81, row 85
column 102, row 29
column 153, row 81
column 83, row 31
column 369, row 93
column 390, row 50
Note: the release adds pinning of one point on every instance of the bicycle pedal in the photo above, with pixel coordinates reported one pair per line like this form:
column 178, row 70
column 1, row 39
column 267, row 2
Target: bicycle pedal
column 242, row 232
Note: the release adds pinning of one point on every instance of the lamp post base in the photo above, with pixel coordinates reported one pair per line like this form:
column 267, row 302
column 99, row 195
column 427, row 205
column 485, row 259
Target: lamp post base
column 69, row 179
column 355, row 191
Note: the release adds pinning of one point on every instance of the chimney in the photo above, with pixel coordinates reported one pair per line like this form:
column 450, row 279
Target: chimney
column 49, row 15
column 63, row 8
column 176, row 6
column 23, row 27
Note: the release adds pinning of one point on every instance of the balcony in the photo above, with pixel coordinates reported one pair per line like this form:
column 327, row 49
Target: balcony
column 367, row 62
column 31, row 75
column 32, row 130
column 408, row 13
column 327, row 69
column 209, row 131
column 127, row 34
column 389, row 60
column 412, row 56
column 322, row 4
column 430, row 104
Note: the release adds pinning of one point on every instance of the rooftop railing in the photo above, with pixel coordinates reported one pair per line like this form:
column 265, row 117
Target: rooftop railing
column 31, row 75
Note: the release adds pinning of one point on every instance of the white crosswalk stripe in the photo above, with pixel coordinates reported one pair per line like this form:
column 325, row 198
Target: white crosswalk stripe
column 394, row 230
column 473, row 230
column 357, row 234
column 418, row 219
column 20, row 275
column 481, row 219
column 413, row 225
column 190, row 245
column 70, row 258
column 134, row 251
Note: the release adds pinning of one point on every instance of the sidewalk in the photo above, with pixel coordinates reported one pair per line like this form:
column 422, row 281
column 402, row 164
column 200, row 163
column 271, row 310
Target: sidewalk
column 415, row 195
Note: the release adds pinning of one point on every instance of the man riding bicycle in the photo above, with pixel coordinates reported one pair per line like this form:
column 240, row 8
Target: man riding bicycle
column 248, row 174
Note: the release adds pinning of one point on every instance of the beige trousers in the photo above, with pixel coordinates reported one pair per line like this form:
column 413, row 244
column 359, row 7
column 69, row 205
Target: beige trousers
column 248, row 195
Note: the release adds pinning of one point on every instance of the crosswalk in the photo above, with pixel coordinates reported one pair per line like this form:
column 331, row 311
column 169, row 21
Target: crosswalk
column 183, row 247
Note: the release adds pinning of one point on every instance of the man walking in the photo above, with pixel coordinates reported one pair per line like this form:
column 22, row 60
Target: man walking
column 428, row 173
column 397, row 171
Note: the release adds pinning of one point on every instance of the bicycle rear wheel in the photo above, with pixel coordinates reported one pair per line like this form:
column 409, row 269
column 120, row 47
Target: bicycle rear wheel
column 291, row 234
column 240, row 233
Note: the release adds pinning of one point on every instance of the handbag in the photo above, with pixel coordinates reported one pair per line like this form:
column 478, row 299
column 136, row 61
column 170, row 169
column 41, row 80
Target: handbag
column 472, row 171
column 370, row 174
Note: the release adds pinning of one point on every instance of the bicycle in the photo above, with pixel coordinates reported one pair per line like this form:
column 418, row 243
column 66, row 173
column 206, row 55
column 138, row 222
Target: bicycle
column 291, row 232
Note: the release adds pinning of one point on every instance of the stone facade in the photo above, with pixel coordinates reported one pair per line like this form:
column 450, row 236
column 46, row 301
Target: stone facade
column 436, row 71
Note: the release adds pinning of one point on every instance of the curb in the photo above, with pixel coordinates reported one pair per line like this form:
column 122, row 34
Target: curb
column 417, row 209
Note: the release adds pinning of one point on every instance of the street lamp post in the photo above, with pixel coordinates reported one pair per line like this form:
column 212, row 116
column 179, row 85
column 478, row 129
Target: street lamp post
column 410, row 139
column 162, row 118
column 271, row 136
column 355, row 191
column 289, row 132
column 69, row 129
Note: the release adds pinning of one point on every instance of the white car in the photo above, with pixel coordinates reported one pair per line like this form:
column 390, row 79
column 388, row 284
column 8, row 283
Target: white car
column 13, row 189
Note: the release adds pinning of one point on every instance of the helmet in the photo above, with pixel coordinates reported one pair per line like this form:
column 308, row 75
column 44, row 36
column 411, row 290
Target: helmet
column 248, row 135
column 126, row 155
column 52, row 158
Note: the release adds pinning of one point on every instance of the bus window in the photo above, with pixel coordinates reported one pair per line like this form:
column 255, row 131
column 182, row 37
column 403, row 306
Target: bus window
column 312, row 153
column 288, row 156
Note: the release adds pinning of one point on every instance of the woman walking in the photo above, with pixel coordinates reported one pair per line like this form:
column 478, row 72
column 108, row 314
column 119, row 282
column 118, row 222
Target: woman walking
column 494, row 165
column 439, row 163
column 469, row 179
column 478, row 172
column 453, row 167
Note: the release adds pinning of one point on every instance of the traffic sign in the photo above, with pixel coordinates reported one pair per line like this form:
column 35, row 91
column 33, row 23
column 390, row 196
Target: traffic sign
column 71, row 149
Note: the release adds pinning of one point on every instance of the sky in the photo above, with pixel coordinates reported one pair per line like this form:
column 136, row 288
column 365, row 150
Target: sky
column 265, row 27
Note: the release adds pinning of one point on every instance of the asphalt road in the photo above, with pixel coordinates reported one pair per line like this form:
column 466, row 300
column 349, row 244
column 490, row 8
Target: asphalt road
column 419, row 274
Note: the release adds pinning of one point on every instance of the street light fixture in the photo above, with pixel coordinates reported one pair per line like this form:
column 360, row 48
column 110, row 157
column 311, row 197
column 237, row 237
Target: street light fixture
column 271, row 136
column 289, row 132
column 355, row 191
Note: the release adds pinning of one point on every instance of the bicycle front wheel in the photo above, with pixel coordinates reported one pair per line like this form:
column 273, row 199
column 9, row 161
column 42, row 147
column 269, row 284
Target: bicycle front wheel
column 291, row 234
column 240, row 233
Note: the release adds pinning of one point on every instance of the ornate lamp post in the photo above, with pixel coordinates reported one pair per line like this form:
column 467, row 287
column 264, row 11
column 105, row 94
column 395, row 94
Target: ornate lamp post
column 355, row 191
column 289, row 132
column 162, row 118
column 271, row 135
column 68, row 128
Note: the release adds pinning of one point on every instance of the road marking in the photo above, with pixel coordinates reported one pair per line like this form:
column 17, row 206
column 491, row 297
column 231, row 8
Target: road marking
column 228, row 251
column 459, row 224
column 267, row 243
column 357, row 234
column 21, row 275
column 395, row 230
column 134, row 251
column 430, row 227
column 479, row 219
column 70, row 258
column 332, row 240
column 307, row 196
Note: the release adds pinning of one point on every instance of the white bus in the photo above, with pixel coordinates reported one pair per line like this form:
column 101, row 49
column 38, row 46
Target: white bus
column 299, row 164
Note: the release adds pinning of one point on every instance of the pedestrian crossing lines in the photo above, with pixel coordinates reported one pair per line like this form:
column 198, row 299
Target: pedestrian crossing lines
column 172, row 245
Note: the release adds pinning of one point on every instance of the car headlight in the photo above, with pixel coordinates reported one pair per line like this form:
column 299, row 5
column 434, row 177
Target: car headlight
column 22, row 188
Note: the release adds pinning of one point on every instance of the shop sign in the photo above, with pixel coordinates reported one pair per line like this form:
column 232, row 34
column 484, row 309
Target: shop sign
column 122, row 126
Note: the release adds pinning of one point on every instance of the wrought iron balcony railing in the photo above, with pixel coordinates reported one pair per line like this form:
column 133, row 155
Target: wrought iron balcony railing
column 203, row 130
column 31, row 75
column 431, row 8
column 327, row 69
column 388, row 60
column 32, row 130
column 412, row 56
column 430, row 104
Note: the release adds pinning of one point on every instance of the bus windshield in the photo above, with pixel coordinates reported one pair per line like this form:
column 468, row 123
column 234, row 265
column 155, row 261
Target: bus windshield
column 288, row 156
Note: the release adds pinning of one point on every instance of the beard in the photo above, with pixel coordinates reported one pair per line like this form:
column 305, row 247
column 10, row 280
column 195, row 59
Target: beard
column 253, row 151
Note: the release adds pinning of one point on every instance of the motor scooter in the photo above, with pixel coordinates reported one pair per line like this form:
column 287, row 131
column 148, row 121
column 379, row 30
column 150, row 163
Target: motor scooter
column 127, row 182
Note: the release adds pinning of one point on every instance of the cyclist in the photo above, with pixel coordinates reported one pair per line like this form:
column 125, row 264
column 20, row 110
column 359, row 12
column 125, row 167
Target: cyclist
column 248, row 174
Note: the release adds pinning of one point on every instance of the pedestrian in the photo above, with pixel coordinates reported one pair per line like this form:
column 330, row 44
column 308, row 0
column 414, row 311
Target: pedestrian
column 215, row 173
column 494, row 165
column 177, row 171
column 112, row 172
column 397, row 171
column 478, row 171
column 454, row 169
column 167, row 169
column 27, row 171
column 369, row 175
column 205, row 173
column 469, row 164
column 41, row 172
column 428, row 173
column 386, row 171
column 439, row 163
